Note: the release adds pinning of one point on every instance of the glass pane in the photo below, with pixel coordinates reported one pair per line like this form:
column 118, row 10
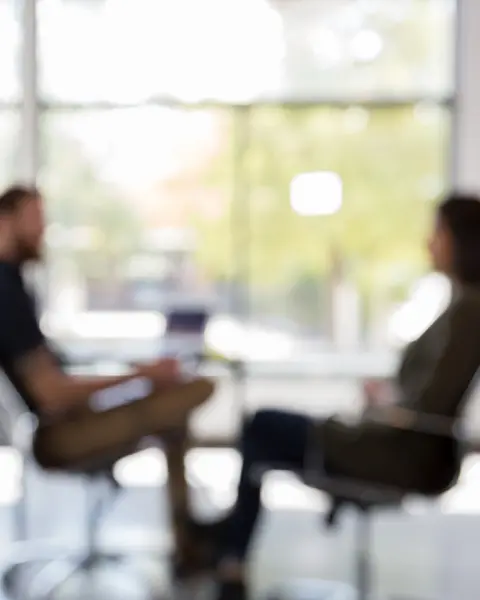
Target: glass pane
column 340, row 208
column 9, row 134
column 132, row 195
column 303, row 248
column 243, row 50
column 9, row 50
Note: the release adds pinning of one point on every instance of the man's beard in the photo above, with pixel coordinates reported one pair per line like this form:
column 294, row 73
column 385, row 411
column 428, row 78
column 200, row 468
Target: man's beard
column 29, row 252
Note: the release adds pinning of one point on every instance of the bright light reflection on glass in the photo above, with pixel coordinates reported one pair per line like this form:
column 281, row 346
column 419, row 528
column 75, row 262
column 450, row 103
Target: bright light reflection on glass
column 318, row 193
column 366, row 46
column 428, row 300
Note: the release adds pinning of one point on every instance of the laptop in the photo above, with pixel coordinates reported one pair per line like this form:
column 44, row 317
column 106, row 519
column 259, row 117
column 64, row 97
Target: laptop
column 185, row 333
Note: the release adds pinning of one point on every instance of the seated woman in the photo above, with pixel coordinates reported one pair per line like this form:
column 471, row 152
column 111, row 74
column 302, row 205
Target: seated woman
column 434, row 376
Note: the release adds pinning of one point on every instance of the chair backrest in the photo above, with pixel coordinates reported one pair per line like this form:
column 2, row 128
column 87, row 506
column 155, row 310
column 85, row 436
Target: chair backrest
column 5, row 426
column 17, row 423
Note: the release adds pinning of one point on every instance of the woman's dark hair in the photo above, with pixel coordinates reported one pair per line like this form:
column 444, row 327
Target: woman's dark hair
column 11, row 199
column 460, row 213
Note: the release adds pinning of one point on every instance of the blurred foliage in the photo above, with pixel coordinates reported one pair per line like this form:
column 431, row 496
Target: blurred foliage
column 392, row 165
column 368, row 48
column 391, row 162
column 79, row 201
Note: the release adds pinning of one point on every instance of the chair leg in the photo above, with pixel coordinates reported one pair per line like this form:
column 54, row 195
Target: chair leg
column 60, row 565
column 20, row 512
column 94, row 508
column 20, row 519
column 98, row 502
column 363, row 567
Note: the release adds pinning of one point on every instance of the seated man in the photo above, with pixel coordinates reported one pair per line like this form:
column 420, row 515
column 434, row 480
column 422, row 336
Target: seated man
column 434, row 376
column 151, row 401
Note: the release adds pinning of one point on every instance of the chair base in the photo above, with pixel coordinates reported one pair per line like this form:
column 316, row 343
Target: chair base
column 313, row 589
column 40, row 577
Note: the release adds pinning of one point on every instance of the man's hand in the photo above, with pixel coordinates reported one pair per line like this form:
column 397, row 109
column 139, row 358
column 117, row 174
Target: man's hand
column 162, row 372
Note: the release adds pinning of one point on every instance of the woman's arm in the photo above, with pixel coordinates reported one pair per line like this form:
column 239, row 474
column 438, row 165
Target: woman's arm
column 458, row 362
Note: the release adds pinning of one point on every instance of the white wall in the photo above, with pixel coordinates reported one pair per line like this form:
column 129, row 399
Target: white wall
column 458, row 578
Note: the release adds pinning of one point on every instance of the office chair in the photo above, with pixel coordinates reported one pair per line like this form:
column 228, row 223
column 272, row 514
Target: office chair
column 25, row 575
column 365, row 498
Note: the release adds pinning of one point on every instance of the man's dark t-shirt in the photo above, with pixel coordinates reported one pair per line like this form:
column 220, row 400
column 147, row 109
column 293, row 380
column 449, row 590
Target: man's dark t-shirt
column 20, row 331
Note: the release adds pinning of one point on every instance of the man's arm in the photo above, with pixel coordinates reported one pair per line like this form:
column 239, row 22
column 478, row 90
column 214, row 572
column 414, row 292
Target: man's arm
column 24, row 348
column 56, row 391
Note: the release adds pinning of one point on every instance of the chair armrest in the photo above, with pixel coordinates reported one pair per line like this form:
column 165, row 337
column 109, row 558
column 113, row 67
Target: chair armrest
column 411, row 420
column 23, row 432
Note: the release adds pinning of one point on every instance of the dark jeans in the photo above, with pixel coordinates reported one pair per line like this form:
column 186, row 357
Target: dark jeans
column 269, row 438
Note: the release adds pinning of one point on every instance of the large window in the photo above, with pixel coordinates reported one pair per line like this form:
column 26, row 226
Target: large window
column 9, row 147
column 245, row 50
column 133, row 195
column 277, row 164
column 139, row 203
column 9, row 89
column 9, row 51
column 340, row 202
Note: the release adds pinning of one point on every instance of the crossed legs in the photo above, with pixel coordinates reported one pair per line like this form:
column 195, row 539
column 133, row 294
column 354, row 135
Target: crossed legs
column 91, row 440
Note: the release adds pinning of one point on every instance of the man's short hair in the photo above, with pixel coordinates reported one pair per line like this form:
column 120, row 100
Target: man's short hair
column 13, row 196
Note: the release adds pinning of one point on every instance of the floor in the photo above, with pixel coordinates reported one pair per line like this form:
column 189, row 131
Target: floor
column 424, row 552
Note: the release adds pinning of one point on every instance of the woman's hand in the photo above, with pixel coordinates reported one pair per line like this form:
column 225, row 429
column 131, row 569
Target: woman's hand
column 378, row 392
